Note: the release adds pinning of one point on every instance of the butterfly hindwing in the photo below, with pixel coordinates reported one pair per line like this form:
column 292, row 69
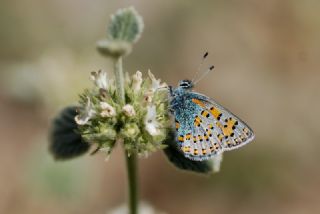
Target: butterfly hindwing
column 205, row 129
column 196, row 136
column 230, row 131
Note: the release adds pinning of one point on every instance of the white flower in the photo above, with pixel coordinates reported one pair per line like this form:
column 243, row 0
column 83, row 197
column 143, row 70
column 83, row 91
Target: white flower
column 137, row 81
column 129, row 110
column 100, row 79
column 86, row 115
column 152, row 125
column 107, row 110
column 155, row 83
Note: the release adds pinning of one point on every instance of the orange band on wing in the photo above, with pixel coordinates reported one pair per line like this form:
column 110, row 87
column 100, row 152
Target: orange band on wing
column 198, row 102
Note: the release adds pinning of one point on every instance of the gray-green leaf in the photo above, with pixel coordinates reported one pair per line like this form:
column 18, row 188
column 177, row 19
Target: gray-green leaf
column 126, row 25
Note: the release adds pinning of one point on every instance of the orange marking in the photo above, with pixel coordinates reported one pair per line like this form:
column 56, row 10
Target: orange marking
column 198, row 102
column 186, row 149
column 188, row 136
column 195, row 152
column 215, row 112
column 194, row 139
column 197, row 121
column 227, row 129
column 204, row 151
column 180, row 138
column 205, row 114
column 177, row 125
column 200, row 138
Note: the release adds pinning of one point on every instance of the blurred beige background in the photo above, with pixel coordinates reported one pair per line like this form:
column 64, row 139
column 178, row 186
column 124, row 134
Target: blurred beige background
column 266, row 55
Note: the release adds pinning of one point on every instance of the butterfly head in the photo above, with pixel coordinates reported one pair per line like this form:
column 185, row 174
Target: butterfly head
column 186, row 84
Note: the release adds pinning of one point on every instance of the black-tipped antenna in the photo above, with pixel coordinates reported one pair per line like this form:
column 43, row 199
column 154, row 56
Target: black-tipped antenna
column 200, row 65
column 204, row 74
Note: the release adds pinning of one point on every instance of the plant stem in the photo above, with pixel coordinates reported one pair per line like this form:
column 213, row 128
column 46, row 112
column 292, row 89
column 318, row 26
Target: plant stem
column 132, row 159
column 132, row 183
column 118, row 72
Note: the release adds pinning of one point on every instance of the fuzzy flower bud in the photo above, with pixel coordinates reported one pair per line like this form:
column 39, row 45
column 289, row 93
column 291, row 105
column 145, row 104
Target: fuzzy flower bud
column 137, row 81
column 130, row 131
column 128, row 110
column 107, row 110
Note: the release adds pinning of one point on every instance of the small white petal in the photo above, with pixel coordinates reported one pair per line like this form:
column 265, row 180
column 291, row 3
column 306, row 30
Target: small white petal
column 81, row 119
column 129, row 110
column 137, row 81
column 86, row 115
column 155, row 83
column 152, row 129
column 100, row 79
column 151, row 124
column 151, row 113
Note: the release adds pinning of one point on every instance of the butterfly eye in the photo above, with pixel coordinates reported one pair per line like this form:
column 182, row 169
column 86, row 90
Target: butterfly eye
column 186, row 84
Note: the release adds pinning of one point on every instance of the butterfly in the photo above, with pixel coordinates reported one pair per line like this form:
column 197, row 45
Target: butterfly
column 204, row 128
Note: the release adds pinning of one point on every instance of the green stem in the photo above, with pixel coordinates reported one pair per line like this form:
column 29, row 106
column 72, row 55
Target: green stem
column 132, row 183
column 118, row 72
column 132, row 159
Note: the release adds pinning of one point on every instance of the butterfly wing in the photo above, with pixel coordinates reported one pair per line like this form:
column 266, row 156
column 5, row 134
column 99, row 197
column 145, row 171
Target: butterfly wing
column 196, row 136
column 205, row 128
column 231, row 131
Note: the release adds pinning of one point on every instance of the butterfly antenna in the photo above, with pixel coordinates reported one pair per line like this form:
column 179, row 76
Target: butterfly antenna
column 204, row 74
column 200, row 65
